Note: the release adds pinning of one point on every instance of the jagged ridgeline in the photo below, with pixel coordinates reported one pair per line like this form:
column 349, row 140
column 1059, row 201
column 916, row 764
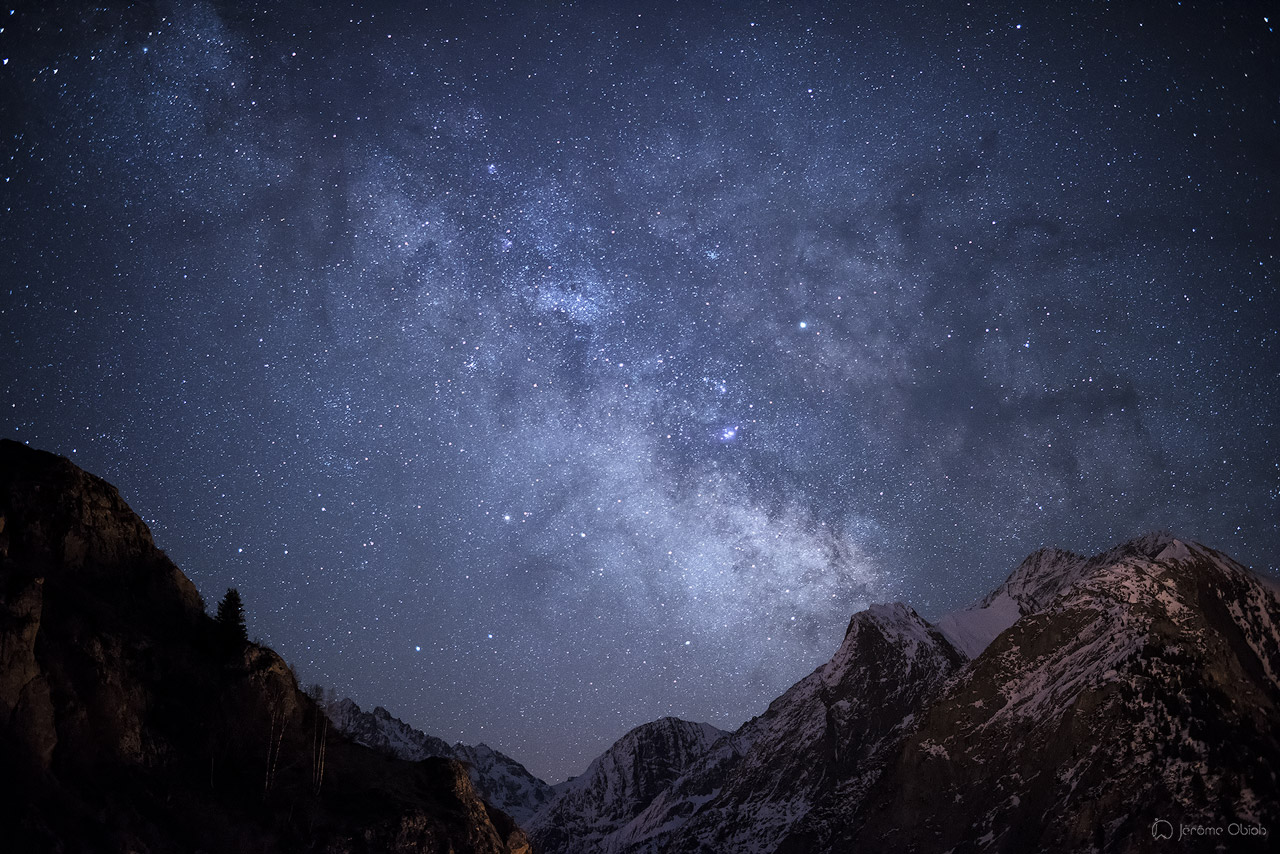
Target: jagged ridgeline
column 501, row 781
column 129, row 722
column 1087, row 704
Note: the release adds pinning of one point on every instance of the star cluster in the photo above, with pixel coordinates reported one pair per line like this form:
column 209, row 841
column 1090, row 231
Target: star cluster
column 537, row 372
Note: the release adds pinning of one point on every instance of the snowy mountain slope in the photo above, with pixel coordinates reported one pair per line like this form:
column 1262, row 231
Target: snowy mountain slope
column 1070, row 708
column 380, row 731
column 831, row 729
column 500, row 780
column 504, row 782
column 1032, row 585
column 1146, row 689
column 618, row 785
column 1102, row 693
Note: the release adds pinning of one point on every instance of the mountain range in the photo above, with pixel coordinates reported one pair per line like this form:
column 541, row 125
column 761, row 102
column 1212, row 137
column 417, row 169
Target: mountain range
column 1074, row 708
column 1125, row 701
column 499, row 779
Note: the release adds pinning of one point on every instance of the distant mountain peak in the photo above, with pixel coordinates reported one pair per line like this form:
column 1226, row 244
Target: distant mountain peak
column 619, row 784
column 1040, row 578
column 1151, row 543
column 890, row 617
column 500, row 780
column 887, row 612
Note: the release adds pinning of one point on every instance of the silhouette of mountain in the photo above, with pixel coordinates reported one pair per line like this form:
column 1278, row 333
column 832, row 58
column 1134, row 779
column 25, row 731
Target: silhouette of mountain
column 128, row 723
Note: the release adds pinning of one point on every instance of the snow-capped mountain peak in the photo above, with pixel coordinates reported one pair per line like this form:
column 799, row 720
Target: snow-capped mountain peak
column 1096, row 690
column 1147, row 687
column 619, row 784
column 753, row 787
column 379, row 730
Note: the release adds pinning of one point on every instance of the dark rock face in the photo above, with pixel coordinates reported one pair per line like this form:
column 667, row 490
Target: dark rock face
column 126, row 724
column 619, row 784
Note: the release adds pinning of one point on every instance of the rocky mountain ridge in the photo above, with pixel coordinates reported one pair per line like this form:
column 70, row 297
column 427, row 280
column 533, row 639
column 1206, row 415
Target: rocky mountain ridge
column 1144, row 690
column 499, row 779
column 750, row 789
column 1078, row 705
column 1080, row 701
column 619, row 784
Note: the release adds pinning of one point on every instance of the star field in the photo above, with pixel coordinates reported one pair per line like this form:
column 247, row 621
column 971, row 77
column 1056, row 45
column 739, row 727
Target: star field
column 538, row 372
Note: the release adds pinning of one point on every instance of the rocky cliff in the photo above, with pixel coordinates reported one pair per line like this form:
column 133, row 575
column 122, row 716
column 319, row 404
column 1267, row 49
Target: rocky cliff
column 127, row 723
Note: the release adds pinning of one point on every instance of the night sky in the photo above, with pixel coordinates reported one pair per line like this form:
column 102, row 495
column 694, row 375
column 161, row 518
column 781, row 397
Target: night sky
column 538, row 372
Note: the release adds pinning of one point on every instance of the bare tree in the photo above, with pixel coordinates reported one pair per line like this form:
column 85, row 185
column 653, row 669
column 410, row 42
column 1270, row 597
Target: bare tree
column 275, row 739
column 319, row 747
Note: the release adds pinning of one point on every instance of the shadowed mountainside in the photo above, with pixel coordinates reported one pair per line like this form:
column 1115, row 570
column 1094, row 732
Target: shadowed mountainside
column 129, row 723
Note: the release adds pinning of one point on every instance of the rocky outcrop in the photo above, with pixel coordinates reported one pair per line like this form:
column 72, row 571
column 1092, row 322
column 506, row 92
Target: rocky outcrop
column 127, row 723
column 26, row 710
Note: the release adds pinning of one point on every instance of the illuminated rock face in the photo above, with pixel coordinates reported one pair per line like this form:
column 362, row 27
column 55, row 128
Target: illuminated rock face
column 119, row 698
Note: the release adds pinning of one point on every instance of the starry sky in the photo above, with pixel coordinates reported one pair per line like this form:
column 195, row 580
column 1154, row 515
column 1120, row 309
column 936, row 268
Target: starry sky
column 536, row 371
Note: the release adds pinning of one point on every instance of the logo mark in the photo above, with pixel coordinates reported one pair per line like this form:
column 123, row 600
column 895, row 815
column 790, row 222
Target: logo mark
column 1161, row 829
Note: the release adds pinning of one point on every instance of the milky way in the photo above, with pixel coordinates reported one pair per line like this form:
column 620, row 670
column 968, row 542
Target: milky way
column 538, row 373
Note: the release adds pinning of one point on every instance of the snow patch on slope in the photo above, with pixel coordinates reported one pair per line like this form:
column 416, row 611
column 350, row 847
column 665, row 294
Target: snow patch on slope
column 973, row 629
column 1040, row 578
